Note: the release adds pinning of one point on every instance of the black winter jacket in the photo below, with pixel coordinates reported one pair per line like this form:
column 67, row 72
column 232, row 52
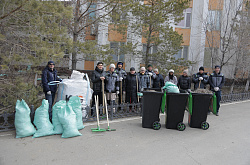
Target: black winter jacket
column 47, row 76
column 152, row 77
column 196, row 80
column 159, row 81
column 131, row 88
column 97, row 82
column 184, row 82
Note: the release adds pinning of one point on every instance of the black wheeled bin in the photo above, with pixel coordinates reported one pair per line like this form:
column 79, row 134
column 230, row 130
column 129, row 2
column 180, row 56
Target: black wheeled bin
column 175, row 105
column 151, row 105
column 198, row 110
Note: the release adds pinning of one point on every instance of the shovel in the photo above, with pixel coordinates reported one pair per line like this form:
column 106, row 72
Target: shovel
column 98, row 129
column 106, row 107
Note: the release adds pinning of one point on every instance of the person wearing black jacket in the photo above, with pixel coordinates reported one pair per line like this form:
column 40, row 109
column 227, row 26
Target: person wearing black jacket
column 216, row 81
column 50, row 74
column 158, row 81
column 151, row 74
column 122, row 76
column 132, row 86
column 200, row 79
column 97, row 77
column 184, row 82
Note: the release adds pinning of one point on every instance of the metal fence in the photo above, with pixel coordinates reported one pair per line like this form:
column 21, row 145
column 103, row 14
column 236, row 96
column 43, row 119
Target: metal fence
column 115, row 111
column 235, row 97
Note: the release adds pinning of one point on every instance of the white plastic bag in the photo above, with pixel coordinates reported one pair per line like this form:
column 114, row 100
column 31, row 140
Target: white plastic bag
column 78, row 85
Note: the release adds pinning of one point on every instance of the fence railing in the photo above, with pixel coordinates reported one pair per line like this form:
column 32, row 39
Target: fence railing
column 115, row 111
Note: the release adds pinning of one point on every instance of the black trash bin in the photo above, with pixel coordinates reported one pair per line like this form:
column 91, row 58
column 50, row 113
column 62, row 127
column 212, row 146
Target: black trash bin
column 151, row 106
column 198, row 113
column 176, row 105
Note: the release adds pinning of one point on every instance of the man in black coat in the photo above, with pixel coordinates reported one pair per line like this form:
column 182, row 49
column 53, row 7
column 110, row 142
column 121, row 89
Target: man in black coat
column 158, row 81
column 132, row 86
column 151, row 74
column 184, row 82
column 122, row 76
column 97, row 77
column 200, row 79
column 216, row 81
column 49, row 74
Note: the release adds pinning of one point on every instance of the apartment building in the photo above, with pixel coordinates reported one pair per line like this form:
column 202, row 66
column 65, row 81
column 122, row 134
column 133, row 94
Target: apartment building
column 201, row 29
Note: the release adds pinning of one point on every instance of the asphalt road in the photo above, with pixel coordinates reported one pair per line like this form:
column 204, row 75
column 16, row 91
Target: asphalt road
column 226, row 142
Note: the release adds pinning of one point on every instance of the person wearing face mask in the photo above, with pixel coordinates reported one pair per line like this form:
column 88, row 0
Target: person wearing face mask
column 144, row 79
column 184, row 82
column 132, row 86
column 171, row 77
column 216, row 81
column 50, row 74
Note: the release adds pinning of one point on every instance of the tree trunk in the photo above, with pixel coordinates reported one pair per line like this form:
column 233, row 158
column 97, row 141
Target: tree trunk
column 74, row 52
column 248, row 80
column 75, row 35
column 148, row 46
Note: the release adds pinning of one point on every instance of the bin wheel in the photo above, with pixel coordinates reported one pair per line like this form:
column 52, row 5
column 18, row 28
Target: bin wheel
column 181, row 126
column 204, row 125
column 156, row 125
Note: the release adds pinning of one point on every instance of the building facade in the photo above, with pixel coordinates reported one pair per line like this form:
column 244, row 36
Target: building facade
column 201, row 28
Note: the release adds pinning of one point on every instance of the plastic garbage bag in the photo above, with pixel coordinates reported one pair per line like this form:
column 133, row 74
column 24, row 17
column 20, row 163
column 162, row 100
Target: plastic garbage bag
column 23, row 124
column 58, row 129
column 78, row 85
column 67, row 118
column 41, row 121
column 171, row 87
column 75, row 103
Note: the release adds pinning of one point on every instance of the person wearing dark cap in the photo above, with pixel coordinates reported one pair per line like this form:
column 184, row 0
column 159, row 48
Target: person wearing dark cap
column 122, row 76
column 151, row 74
column 200, row 79
column 132, row 87
column 216, row 81
column 49, row 74
column 97, row 77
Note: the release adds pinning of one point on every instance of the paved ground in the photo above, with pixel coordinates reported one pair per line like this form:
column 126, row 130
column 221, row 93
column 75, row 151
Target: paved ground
column 227, row 141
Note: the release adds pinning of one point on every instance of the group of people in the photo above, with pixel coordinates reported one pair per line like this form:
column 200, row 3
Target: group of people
column 116, row 83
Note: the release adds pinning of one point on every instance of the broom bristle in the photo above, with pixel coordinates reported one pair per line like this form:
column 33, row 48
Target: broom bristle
column 205, row 91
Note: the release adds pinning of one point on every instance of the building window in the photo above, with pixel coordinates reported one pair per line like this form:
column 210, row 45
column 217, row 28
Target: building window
column 91, row 11
column 117, row 16
column 152, row 49
column 208, row 54
column 214, row 19
column 186, row 22
column 119, row 53
column 183, row 53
